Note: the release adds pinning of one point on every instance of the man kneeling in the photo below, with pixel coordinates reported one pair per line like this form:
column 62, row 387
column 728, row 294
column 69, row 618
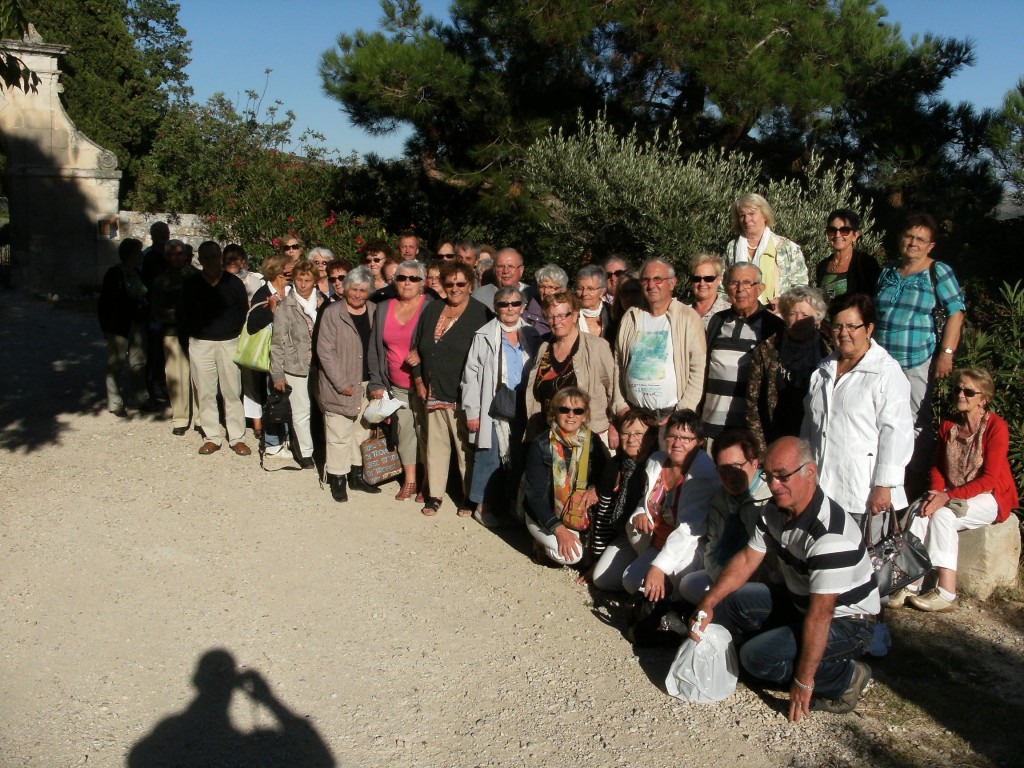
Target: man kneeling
column 809, row 631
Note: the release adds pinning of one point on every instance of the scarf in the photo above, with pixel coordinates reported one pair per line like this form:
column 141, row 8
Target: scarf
column 308, row 305
column 565, row 458
column 584, row 314
column 626, row 469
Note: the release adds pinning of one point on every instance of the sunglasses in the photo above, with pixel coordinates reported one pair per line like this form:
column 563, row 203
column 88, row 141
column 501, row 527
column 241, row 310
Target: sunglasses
column 616, row 273
column 408, row 278
column 446, row 256
column 374, row 261
column 968, row 393
column 566, row 410
column 337, row 278
column 460, row 284
column 507, row 304
column 703, row 278
column 844, row 231
column 293, row 247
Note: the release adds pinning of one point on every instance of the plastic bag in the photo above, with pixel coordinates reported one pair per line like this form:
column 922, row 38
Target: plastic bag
column 704, row 671
column 381, row 408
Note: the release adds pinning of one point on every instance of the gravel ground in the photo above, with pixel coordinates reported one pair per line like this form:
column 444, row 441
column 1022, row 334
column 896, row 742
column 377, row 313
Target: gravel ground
column 384, row 638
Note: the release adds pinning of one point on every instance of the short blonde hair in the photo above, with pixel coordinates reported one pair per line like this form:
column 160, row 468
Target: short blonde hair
column 981, row 377
column 564, row 394
column 707, row 258
column 751, row 200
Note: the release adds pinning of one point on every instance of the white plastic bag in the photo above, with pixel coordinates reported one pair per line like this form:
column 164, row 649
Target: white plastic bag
column 382, row 407
column 704, row 671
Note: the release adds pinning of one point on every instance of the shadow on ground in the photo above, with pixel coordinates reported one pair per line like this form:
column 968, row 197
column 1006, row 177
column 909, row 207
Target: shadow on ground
column 203, row 734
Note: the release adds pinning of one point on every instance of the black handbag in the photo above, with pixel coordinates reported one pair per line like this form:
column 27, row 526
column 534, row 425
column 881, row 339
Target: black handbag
column 503, row 405
column 278, row 408
column 939, row 313
column 899, row 558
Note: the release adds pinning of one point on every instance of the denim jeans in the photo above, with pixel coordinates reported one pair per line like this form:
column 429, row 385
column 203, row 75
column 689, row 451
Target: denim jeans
column 775, row 628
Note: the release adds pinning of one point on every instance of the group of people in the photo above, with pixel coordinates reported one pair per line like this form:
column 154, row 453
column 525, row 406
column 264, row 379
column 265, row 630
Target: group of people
column 738, row 453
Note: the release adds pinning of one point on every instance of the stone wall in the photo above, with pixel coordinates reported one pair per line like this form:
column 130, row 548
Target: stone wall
column 187, row 227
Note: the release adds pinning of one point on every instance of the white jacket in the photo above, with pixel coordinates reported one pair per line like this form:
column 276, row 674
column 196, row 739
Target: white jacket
column 860, row 429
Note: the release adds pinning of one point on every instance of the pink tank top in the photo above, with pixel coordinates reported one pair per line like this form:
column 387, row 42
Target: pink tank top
column 397, row 342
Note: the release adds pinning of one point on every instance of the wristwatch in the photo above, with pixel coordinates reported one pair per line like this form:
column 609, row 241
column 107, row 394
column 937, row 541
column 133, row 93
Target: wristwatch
column 948, row 350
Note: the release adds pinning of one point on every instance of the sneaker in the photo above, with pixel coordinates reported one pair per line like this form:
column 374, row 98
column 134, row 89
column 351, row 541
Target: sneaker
column 487, row 518
column 847, row 702
column 899, row 598
column 932, row 601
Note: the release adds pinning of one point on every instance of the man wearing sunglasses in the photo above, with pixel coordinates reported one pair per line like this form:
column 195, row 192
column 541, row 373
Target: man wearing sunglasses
column 660, row 351
column 821, row 620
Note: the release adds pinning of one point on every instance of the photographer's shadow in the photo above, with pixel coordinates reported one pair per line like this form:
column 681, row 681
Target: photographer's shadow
column 203, row 734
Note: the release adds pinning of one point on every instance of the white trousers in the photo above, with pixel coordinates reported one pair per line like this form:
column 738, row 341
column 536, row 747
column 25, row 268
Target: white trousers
column 343, row 438
column 939, row 532
column 610, row 567
column 299, row 400
column 550, row 543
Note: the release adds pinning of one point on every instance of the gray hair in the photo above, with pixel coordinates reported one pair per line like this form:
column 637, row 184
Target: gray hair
column 590, row 271
column 807, row 294
column 743, row 265
column 503, row 294
column 751, row 200
column 659, row 260
column 414, row 265
column 361, row 275
column 552, row 272
column 325, row 253
column 467, row 245
column 622, row 259
column 708, row 258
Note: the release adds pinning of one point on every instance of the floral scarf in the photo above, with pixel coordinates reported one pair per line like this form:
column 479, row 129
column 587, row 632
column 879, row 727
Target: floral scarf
column 565, row 458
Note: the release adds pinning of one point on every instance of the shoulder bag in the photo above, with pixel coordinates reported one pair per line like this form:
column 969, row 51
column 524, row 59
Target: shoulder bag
column 899, row 558
column 939, row 313
column 575, row 515
column 254, row 348
column 503, row 404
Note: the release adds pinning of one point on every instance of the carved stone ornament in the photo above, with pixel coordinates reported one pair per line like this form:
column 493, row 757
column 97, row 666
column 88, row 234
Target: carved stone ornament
column 107, row 160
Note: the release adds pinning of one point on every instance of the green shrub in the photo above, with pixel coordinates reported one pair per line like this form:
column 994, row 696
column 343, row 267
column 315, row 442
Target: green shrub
column 606, row 194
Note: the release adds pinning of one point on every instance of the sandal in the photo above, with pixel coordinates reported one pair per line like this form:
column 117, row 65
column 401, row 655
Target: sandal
column 431, row 507
column 462, row 512
column 407, row 491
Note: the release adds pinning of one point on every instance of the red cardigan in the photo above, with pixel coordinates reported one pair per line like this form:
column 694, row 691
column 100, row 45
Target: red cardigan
column 995, row 476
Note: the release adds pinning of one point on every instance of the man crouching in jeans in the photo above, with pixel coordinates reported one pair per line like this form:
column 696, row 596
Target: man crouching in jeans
column 809, row 631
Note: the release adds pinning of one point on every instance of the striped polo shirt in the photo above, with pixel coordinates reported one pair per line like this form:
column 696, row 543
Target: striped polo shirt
column 821, row 552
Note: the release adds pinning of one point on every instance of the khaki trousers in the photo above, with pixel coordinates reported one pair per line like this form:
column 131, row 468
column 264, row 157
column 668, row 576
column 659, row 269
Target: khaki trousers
column 212, row 366
column 446, row 434
column 179, row 381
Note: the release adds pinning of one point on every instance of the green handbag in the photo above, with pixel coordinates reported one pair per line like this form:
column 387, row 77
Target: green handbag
column 254, row 348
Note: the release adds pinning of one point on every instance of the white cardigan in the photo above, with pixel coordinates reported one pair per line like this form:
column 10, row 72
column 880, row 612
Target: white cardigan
column 861, row 429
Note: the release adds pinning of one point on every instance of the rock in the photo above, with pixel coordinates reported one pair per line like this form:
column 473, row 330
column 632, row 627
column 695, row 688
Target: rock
column 988, row 558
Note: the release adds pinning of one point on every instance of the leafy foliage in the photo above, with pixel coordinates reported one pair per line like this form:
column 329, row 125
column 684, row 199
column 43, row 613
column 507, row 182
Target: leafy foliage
column 13, row 25
column 232, row 166
column 1007, row 137
column 993, row 338
column 610, row 194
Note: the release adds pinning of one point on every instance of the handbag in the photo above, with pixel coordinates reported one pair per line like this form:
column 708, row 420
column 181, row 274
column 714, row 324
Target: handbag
column 253, row 349
column 575, row 514
column 379, row 463
column 899, row 558
column 278, row 408
column 503, row 404
column 939, row 313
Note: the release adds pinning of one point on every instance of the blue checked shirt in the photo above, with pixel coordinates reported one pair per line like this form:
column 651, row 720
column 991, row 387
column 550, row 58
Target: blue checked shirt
column 905, row 325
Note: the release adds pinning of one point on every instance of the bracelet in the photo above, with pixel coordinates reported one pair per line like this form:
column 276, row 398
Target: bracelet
column 800, row 685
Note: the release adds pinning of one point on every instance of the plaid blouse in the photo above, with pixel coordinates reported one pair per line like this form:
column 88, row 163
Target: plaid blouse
column 905, row 325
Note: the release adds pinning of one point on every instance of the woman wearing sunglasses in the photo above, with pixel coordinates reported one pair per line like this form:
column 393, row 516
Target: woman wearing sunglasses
column 971, row 486
column 848, row 270
column 391, row 363
column 440, row 346
column 499, row 359
column 561, row 461
column 666, row 529
column 706, row 270
column 375, row 254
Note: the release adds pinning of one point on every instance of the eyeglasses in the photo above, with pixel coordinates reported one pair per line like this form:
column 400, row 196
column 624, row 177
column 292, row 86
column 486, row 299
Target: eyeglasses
column 559, row 318
column 838, row 328
column 833, row 231
column 507, row 304
column 293, row 247
column 781, row 477
column 616, row 273
column 375, row 261
column 507, row 267
column 657, row 280
column 589, row 289
column 703, row 278
column 737, row 284
column 408, row 278
column 566, row 410
column 915, row 239
column 632, row 435
column 968, row 393
column 736, row 465
column 681, row 439
column 456, row 284
column 336, row 278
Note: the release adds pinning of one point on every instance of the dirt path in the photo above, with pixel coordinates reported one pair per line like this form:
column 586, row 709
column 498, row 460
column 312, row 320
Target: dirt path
column 385, row 638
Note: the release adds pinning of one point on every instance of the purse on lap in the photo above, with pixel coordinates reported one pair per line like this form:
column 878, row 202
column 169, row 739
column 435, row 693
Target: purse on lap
column 575, row 514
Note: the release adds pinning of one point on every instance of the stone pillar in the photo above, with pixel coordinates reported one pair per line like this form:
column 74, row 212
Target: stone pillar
column 61, row 184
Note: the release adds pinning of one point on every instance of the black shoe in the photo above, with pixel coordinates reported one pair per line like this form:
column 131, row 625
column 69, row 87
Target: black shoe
column 179, row 431
column 357, row 483
column 121, row 413
column 338, row 490
column 306, row 462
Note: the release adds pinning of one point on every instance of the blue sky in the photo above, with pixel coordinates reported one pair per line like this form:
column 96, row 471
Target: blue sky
column 233, row 42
